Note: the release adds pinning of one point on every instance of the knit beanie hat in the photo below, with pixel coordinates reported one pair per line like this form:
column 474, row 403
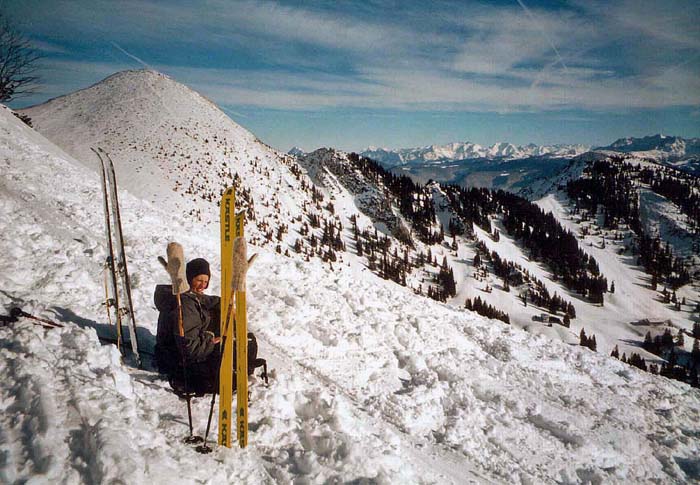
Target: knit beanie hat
column 197, row 267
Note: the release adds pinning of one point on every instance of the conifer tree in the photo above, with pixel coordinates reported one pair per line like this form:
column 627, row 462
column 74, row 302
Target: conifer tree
column 680, row 339
column 648, row 342
column 672, row 359
column 667, row 339
column 592, row 344
column 615, row 353
column 695, row 354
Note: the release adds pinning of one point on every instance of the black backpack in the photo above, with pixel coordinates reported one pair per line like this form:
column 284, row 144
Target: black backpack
column 202, row 376
column 253, row 361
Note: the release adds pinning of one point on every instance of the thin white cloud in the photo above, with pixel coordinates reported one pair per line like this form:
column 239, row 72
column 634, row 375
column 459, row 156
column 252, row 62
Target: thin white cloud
column 504, row 41
column 47, row 47
column 237, row 114
column 388, row 88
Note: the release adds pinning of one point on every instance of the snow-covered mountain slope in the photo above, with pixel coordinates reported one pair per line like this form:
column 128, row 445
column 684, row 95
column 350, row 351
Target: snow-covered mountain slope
column 331, row 171
column 657, row 147
column 659, row 215
column 463, row 151
column 681, row 153
column 171, row 146
column 370, row 383
column 618, row 321
column 613, row 324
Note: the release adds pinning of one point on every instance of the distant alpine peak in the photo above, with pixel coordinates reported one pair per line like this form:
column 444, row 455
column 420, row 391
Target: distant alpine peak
column 296, row 151
column 660, row 147
column 469, row 150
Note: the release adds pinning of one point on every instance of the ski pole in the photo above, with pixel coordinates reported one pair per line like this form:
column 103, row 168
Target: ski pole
column 188, row 397
column 17, row 312
column 205, row 448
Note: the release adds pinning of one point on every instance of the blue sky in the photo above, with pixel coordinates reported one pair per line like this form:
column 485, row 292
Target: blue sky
column 350, row 74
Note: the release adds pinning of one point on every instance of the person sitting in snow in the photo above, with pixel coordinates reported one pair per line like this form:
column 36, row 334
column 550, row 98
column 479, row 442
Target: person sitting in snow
column 200, row 347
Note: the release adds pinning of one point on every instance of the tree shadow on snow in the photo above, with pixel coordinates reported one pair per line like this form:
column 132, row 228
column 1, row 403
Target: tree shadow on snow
column 632, row 343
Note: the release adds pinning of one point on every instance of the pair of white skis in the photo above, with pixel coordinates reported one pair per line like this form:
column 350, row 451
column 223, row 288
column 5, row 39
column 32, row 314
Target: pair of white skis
column 118, row 284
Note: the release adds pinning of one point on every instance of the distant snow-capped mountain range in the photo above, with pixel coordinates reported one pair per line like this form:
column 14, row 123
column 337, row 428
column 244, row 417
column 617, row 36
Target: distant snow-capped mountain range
column 468, row 150
column 657, row 147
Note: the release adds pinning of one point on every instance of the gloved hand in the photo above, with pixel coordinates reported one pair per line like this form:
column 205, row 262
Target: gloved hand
column 175, row 266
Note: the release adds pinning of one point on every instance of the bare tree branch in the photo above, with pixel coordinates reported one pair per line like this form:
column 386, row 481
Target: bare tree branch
column 17, row 63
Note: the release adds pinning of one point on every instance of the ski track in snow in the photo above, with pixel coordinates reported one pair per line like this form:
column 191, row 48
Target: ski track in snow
column 369, row 383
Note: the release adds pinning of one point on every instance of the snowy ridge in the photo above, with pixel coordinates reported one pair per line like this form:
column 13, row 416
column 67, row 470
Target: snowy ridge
column 169, row 145
column 467, row 150
column 612, row 323
column 332, row 171
column 660, row 216
column 572, row 171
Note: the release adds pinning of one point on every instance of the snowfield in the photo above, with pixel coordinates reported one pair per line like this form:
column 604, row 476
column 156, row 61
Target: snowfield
column 369, row 382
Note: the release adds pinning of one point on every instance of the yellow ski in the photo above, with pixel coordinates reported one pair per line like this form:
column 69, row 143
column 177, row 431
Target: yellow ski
column 227, row 328
column 241, row 323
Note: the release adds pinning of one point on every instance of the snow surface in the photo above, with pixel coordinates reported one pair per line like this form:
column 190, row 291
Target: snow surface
column 369, row 382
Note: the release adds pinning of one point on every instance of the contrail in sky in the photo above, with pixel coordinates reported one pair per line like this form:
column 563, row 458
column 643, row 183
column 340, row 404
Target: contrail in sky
column 132, row 56
column 544, row 33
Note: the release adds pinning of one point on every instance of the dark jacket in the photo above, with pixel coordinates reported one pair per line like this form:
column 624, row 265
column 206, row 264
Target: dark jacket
column 200, row 318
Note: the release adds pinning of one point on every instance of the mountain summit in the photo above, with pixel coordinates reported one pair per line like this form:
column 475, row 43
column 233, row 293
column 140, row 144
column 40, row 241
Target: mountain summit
column 169, row 143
